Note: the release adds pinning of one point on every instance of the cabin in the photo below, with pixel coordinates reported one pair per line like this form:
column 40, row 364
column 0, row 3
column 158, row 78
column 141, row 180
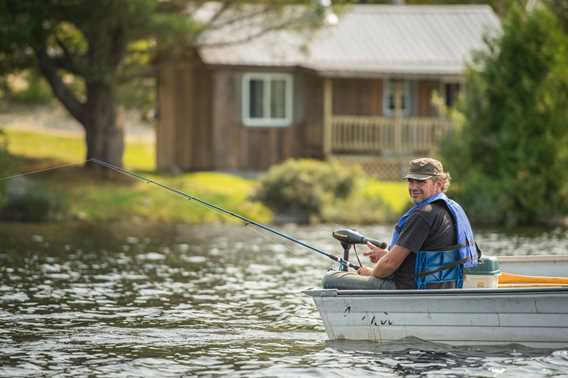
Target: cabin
column 366, row 89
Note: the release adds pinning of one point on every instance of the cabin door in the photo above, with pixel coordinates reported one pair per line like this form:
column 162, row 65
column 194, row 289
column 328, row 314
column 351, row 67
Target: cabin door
column 396, row 98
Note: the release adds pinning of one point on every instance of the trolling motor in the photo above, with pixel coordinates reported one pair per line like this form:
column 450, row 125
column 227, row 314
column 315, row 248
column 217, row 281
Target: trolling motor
column 348, row 238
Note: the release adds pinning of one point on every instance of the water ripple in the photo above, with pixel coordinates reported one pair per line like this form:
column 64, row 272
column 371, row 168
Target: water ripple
column 214, row 301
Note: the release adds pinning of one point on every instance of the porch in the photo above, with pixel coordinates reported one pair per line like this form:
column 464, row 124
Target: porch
column 386, row 137
column 383, row 145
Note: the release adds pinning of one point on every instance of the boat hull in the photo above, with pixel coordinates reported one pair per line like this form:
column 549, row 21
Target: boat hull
column 534, row 265
column 535, row 317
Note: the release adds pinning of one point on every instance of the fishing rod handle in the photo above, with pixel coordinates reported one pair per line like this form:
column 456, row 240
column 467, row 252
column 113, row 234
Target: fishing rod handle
column 356, row 267
column 377, row 243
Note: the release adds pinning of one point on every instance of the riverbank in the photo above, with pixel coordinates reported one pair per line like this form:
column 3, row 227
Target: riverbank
column 76, row 194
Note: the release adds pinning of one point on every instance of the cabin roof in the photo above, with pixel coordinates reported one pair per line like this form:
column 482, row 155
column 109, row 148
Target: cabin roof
column 370, row 40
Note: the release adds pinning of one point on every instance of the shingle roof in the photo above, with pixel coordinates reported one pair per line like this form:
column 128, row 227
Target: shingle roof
column 374, row 39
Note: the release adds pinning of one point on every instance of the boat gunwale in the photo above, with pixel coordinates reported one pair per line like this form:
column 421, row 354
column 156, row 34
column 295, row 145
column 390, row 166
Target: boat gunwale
column 532, row 258
column 437, row 292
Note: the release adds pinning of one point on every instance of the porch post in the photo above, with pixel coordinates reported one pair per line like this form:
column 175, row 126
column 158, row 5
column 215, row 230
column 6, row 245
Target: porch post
column 327, row 115
column 397, row 116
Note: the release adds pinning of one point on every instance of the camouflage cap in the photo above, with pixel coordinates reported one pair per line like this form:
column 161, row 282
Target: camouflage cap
column 424, row 168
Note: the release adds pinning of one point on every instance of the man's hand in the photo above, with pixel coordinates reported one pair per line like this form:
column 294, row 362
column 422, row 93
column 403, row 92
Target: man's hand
column 364, row 271
column 375, row 253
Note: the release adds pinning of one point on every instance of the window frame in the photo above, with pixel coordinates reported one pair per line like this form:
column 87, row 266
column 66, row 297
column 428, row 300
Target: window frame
column 389, row 85
column 267, row 120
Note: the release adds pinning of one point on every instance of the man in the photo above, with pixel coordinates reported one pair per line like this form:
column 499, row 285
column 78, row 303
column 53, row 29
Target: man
column 435, row 223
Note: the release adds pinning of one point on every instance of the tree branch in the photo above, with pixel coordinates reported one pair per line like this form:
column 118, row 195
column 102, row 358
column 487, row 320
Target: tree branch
column 209, row 24
column 267, row 29
column 67, row 62
column 244, row 16
column 60, row 90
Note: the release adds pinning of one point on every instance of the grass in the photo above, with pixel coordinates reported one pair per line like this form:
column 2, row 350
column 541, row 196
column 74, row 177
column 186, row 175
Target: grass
column 71, row 149
column 93, row 198
column 98, row 199
column 395, row 194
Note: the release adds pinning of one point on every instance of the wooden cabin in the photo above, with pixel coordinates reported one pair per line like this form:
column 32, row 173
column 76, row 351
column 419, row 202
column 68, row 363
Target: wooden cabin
column 361, row 90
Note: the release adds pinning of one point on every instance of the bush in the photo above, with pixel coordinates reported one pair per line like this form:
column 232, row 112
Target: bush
column 310, row 190
column 26, row 201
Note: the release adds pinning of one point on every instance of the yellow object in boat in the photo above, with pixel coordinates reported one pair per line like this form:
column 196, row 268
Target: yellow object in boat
column 509, row 278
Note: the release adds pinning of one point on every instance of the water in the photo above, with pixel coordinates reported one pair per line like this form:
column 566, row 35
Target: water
column 210, row 301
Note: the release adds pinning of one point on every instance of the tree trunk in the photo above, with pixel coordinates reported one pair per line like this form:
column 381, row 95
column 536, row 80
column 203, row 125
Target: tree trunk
column 104, row 136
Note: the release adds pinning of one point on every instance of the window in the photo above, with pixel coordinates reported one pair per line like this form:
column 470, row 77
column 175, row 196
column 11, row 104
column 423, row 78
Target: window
column 267, row 99
column 452, row 91
column 389, row 97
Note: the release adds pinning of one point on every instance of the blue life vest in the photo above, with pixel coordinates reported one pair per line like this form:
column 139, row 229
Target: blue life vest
column 445, row 265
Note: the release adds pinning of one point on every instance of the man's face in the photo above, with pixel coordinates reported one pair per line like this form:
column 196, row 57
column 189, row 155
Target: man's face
column 419, row 190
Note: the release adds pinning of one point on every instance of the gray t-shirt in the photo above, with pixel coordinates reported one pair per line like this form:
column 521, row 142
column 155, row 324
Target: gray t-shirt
column 429, row 228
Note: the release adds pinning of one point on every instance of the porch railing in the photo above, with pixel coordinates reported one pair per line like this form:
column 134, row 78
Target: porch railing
column 382, row 135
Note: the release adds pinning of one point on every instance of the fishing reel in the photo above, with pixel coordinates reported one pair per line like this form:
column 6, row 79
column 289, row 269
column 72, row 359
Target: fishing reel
column 349, row 238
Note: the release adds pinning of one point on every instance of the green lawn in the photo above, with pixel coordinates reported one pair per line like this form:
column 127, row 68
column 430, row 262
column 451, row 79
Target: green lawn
column 71, row 149
column 88, row 197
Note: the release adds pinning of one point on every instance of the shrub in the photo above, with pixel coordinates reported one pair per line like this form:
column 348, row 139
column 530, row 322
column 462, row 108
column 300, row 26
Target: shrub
column 305, row 188
column 26, row 201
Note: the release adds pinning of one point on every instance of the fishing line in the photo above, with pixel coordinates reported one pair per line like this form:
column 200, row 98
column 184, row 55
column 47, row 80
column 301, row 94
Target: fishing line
column 220, row 209
column 43, row 170
column 357, row 255
column 187, row 196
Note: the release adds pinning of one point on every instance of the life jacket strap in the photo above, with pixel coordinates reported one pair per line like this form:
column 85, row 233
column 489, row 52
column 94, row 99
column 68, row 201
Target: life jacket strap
column 451, row 248
column 442, row 267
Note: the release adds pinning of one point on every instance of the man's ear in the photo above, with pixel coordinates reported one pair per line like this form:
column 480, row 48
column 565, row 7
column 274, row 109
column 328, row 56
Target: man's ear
column 439, row 184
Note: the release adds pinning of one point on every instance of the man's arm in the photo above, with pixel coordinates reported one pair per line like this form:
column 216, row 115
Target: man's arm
column 388, row 264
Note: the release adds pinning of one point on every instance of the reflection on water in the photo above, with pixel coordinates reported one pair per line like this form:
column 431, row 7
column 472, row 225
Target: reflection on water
column 210, row 301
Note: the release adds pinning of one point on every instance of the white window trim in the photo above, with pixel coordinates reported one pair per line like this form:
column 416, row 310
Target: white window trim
column 267, row 121
column 406, row 89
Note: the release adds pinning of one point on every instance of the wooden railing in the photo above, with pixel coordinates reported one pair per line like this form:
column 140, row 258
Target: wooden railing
column 386, row 135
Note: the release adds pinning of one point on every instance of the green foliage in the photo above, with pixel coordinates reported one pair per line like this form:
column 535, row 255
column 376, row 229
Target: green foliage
column 314, row 191
column 32, row 202
column 356, row 198
column 370, row 203
column 36, row 92
column 93, row 199
column 305, row 187
column 510, row 158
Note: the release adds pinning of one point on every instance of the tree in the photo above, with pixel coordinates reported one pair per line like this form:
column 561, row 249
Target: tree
column 510, row 157
column 499, row 6
column 104, row 43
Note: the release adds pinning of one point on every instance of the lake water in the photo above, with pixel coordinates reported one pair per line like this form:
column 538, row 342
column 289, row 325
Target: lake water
column 211, row 301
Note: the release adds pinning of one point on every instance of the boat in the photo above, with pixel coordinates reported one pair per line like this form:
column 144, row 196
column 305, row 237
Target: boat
column 526, row 309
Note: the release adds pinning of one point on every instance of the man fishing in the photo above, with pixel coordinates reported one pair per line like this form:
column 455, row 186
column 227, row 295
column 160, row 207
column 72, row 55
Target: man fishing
column 430, row 245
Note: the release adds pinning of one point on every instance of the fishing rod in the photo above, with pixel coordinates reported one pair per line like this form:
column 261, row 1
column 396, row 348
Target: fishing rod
column 342, row 261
